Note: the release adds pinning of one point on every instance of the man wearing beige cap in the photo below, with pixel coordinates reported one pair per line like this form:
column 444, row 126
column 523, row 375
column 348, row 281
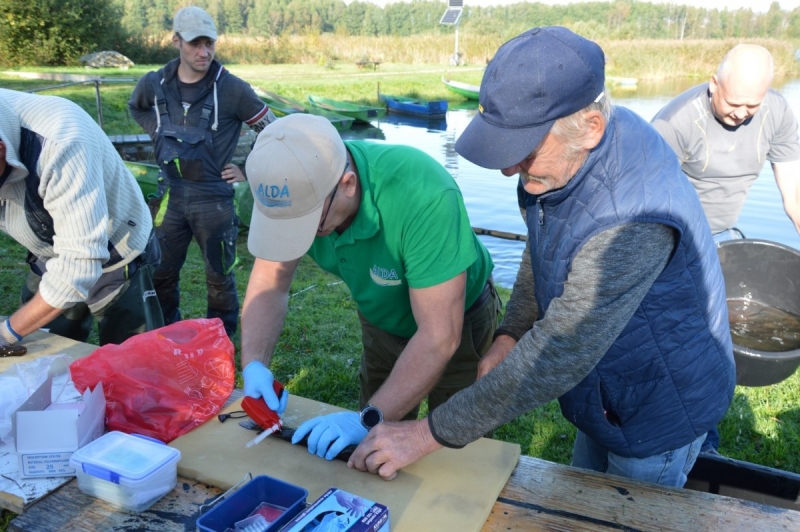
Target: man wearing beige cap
column 391, row 222
column 193, row 110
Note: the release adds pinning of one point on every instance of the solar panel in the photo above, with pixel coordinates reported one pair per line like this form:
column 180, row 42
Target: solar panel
column 451, row 16
column 455, row 3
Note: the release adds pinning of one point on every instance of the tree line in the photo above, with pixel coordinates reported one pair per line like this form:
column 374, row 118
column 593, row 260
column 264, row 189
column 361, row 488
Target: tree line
column 58, row 32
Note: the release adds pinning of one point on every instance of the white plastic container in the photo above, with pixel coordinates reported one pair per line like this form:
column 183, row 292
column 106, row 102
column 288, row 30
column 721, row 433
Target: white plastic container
column 131, row 471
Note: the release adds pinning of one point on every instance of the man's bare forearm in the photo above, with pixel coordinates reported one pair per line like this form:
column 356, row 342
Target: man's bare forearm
column 264, row 310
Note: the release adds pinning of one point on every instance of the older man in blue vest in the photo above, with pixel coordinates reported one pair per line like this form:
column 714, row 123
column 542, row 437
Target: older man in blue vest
column 619, row 306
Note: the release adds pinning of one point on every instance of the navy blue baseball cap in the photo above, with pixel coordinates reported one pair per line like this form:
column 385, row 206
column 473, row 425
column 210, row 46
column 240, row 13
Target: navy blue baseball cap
column 534, row 79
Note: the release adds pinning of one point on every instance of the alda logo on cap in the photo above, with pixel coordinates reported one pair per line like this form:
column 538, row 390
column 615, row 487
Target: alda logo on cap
column 274, row 195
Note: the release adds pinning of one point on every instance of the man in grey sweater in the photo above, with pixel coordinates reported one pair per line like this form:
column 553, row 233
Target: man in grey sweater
column 619, row 306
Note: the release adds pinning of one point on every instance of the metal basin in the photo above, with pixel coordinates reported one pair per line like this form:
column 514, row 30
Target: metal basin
column 767, row 273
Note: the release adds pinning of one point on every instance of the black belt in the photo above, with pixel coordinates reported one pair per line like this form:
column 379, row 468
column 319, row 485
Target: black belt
column 487, row 291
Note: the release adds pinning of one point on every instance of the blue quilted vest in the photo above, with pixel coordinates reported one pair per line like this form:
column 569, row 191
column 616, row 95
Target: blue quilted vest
column 669, row 376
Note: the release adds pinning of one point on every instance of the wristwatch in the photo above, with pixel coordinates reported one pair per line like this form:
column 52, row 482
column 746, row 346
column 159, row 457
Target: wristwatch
column 371, row 416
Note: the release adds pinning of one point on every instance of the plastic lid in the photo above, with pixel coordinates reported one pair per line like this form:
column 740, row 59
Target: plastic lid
column 124, row 455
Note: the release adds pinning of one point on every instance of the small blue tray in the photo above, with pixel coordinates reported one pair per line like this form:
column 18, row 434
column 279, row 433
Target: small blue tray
column 239, row 504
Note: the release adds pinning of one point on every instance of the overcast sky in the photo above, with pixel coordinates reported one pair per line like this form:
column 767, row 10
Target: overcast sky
column 755, row 5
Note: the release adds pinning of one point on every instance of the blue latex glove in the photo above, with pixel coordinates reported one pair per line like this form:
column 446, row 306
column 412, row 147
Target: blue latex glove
column 258, row 381
column 331, row 434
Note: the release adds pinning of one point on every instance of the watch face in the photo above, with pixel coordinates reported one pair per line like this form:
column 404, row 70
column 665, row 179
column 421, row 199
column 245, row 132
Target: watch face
column 371, row 416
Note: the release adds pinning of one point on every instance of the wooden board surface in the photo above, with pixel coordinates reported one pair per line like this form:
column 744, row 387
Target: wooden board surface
column 447, row 490
column 41, row 343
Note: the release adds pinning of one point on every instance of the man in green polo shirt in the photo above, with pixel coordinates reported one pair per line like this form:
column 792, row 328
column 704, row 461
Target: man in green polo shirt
column 391, row 222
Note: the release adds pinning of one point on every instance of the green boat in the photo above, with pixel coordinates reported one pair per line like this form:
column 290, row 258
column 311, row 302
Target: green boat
column 470, row 92
column 147, row 177
column 362, row 113
column 279, row 105
column 283, row 105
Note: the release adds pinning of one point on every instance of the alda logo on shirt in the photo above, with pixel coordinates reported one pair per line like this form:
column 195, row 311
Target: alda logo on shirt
column 384, row 276
column 274, row 195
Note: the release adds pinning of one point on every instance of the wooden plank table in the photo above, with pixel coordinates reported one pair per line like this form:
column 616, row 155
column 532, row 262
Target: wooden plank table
column 539, row 496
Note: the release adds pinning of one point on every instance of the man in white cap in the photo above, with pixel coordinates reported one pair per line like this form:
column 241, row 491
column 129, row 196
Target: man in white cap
column 391, row 222
column 193, row 109
column 618, row 310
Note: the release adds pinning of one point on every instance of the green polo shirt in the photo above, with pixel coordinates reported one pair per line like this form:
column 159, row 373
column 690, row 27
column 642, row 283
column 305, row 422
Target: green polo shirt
column 411, row 231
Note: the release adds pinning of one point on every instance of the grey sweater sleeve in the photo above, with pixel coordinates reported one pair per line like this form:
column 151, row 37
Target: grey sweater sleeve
column 142, row 105
column 608, row 279
column 521, row 310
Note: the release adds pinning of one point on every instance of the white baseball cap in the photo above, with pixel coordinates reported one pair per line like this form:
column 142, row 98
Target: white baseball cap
column 192, row 22
column 294, row 165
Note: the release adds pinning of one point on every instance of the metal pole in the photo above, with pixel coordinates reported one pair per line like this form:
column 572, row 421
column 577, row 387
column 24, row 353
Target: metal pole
column 99, row 105
column 455, row 57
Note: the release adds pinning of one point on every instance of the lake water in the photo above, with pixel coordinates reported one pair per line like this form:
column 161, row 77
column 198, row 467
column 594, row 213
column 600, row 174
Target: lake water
column 491, row 197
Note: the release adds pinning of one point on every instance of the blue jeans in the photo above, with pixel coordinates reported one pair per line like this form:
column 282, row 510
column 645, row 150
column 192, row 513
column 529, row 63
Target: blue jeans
column 668, row 469
column 211, row 219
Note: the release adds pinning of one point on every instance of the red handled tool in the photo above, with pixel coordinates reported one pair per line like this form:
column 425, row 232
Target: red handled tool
column 262, row 415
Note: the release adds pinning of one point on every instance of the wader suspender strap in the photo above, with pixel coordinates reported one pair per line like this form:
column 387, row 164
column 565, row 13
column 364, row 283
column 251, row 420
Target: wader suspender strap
column 161, row 104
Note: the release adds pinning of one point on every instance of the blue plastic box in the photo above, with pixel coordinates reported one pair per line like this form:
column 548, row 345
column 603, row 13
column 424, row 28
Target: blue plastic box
column 242, row 502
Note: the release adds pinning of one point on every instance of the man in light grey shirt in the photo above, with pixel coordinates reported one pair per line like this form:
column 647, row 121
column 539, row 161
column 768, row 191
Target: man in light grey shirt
column 724, row 130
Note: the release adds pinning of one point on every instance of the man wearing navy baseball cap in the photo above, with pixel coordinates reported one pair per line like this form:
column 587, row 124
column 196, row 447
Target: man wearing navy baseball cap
column 619, row 305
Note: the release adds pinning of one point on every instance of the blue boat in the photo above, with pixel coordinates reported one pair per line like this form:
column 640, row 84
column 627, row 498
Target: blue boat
column 414, row 106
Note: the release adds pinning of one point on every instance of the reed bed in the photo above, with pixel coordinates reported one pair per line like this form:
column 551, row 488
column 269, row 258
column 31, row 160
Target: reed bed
column 642, row 58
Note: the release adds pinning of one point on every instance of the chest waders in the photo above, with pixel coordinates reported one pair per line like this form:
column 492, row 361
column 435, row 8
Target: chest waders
column 196, row 204
column 182, row 152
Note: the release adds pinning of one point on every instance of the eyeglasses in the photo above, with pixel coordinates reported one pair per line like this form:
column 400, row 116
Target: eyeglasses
column 325, row 216
column 330, row 202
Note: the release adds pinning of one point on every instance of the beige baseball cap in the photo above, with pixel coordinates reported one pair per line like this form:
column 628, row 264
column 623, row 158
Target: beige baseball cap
column 294, row 165
column 192, row 22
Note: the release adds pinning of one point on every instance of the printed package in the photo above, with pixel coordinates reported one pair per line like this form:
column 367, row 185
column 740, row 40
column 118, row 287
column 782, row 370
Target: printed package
column 338, row 510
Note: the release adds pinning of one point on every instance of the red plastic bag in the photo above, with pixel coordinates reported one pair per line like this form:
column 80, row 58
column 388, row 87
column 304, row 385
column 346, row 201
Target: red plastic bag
column 165, row 382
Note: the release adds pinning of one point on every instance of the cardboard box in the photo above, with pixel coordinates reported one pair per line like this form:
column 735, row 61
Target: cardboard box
column 46, row 434
column 339, row 510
